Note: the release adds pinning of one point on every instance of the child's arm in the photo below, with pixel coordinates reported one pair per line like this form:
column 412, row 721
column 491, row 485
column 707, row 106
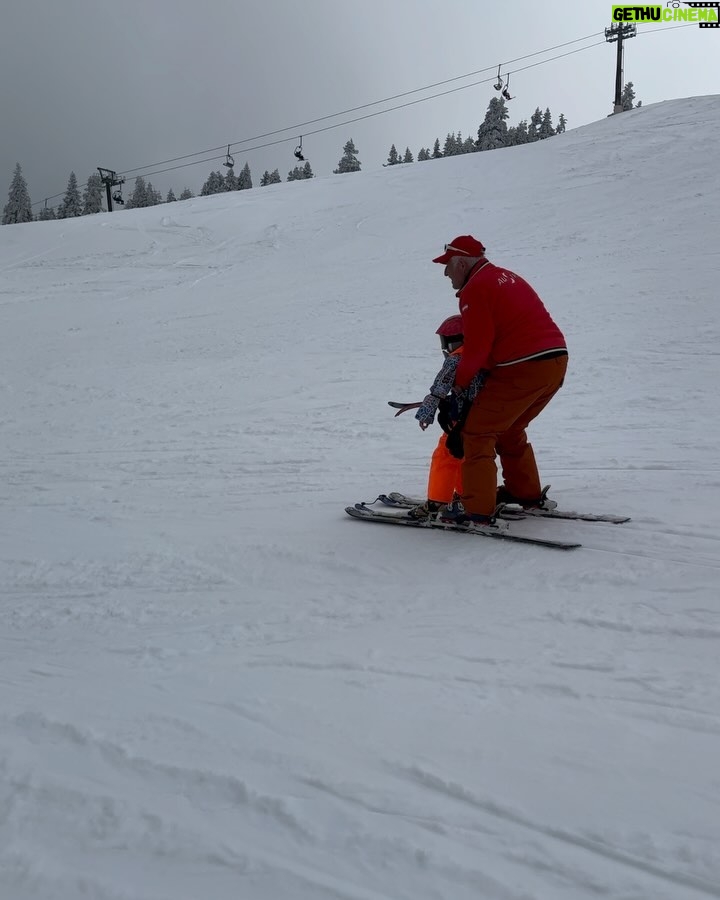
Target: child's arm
column 441, row 387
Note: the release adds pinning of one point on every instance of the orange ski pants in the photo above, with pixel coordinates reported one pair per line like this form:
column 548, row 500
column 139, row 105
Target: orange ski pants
column 511, row 398
column 444, row 477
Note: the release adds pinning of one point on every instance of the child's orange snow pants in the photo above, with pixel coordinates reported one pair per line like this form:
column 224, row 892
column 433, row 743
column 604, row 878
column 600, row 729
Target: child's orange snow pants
column 444, row 477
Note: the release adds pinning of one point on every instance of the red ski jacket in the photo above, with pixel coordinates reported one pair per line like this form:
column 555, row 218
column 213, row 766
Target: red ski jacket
column 504, row 322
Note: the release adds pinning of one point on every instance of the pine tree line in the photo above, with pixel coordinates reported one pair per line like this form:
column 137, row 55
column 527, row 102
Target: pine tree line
column 19, row 209
column 493, row 133
column 217, row 183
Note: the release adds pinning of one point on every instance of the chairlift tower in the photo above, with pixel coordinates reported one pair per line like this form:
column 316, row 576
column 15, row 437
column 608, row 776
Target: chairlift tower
column 110, row 180
column 619, row 32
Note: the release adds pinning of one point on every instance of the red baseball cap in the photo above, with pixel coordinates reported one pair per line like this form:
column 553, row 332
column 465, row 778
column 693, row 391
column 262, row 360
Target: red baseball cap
column 465, row 245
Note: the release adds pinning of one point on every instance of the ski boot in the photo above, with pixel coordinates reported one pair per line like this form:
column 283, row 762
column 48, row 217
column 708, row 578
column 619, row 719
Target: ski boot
column 505, row 498
column 425, row 511
column 455, row 514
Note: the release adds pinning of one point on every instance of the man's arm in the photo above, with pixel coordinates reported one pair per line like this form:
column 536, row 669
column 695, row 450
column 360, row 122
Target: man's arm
column 479, row 331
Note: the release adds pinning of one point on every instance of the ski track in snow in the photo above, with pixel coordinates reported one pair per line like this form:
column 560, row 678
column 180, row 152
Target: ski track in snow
column 216, row 684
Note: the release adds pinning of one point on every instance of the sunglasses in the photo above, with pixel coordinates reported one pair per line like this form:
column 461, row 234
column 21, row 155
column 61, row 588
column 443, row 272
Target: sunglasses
column 455, row 249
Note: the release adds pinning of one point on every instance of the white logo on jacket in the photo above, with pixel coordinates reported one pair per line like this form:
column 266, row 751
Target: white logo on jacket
column 505, row 277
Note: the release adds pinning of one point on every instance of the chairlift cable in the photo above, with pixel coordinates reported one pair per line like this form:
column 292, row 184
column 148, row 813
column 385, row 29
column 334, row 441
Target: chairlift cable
column 369, row 115
column 301, row 126
column 365, row 106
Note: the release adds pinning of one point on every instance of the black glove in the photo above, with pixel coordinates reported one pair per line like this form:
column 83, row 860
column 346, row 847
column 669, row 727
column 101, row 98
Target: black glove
column 454, row 442
column 452, row 409
column 457, row 411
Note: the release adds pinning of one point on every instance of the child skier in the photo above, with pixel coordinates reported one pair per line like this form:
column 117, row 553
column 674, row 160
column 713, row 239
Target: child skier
column 444, row 477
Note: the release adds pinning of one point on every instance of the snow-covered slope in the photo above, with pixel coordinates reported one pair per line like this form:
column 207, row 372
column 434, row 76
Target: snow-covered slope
column 216, row 685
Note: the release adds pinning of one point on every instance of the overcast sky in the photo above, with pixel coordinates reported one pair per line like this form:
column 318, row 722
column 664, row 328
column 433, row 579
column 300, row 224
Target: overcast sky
column 128, row 84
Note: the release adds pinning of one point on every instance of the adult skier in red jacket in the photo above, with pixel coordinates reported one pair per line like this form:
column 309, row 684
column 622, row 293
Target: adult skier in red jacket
column 510, row 336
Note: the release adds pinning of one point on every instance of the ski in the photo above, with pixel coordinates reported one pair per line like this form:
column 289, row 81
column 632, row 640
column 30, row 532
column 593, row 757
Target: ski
column 401, row 501
column 518, row 511
column 360, row 511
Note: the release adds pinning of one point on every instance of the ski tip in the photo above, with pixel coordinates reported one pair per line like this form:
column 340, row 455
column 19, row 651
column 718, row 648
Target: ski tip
column 358, row 511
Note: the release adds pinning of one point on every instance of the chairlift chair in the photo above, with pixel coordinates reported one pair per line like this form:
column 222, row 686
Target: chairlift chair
column 298, row 151
column 506, row 90
column 229, row 161
column 499, row 83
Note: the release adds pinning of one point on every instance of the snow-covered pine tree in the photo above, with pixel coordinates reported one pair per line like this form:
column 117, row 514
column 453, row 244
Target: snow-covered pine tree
column 231, row 180
column 215, row 184
column 187, row 194
column 71, row 205
column 349, row 161
column 170, row 197
column 518, row 134
column 561, row 125
column 393, row 158
column 18, row 208
column 46, row 214
column 153, row 197
column 546, row 129
column 93, row 196
column 301, row 173
column 138, row 198
column 437, row 152
column 534, row 126
column 270, row 178
column 468, row 145
column 244, row 178
column 423, row 154
column 627, row 98
column 450, row 145
column 408, row 157
column 493, row 131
